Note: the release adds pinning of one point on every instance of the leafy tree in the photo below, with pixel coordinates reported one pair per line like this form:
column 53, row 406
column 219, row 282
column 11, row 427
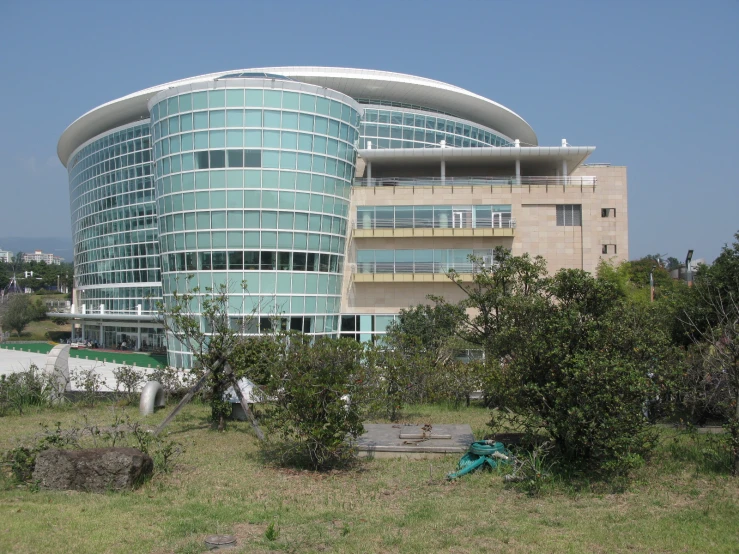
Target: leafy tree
column 711, row 319
column 209, row 337
column 318, row 398
column 19, row 312
column 673, row 263
column 513, row 281
column 417, row 355
column 574, row 355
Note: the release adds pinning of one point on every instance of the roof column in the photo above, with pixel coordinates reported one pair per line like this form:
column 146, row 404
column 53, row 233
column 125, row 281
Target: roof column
column 442, row 144
column 518, row 171
column 517, row 144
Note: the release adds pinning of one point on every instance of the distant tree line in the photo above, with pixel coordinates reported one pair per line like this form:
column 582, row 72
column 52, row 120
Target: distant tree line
column 45, row 276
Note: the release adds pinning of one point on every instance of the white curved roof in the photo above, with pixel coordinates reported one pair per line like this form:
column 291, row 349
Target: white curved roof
column 357, row 83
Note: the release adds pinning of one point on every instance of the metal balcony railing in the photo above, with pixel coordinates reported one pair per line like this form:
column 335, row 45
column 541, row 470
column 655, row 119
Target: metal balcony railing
column 421, row 267
column 544, row 180
column 438, row 223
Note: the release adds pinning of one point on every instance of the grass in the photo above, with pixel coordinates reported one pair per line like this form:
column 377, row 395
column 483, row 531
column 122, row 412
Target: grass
column 34, row 347
column 140, row 359
column 36, row 331
column 221, row 486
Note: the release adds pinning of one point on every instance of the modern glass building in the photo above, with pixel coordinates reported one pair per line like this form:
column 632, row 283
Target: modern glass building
column 338, row 196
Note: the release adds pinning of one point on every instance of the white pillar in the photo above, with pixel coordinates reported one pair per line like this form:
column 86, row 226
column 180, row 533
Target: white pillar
column 138, row 309
column 369, row 171
column 518, row 172
column 564, row 171
column 138, row 339
column 102, row 308
column 83, row 330
column 101, row 342
column 443, row 172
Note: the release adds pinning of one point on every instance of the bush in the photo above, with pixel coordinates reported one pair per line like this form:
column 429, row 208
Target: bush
column 319, row 395
column 175, row 383
column 90, row 383
column 20, row 390
column 22, row 460
column 127, row 380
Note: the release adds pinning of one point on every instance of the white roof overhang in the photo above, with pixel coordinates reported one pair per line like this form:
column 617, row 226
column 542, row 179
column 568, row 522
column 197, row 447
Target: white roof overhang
column 357, row 83
column 536, row 160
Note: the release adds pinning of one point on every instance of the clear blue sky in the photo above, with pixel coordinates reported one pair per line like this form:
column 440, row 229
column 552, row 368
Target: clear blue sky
column 653, row 85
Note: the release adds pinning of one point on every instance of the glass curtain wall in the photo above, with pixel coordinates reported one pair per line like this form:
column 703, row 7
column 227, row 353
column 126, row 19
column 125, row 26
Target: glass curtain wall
column 462, row 260
column 114, row 225
column 437, row 217
column 253, row 180
column 405, row 128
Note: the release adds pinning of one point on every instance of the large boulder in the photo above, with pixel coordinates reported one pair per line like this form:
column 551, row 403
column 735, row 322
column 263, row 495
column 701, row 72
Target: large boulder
column 92, row 469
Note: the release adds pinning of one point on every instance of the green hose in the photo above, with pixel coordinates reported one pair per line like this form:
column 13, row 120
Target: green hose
column 480, row 454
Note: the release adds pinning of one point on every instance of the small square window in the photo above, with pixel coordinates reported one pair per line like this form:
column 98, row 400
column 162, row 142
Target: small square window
column 609, row 249
column 608, row 212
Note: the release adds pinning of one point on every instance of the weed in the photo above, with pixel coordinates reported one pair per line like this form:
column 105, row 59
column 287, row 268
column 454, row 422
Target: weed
column 272, row 533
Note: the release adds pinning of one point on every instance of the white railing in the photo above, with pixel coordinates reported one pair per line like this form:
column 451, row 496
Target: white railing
column 422, row 267
column 544, row 180
column 438, row 223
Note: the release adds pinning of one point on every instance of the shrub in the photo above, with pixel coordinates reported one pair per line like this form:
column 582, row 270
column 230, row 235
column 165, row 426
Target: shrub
column 318, row 397
column 127, row 380
column 20, row 390
column 22, row 459
column 90, row 383
column 175, row 383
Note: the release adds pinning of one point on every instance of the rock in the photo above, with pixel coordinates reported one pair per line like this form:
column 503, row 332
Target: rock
column 91, row 470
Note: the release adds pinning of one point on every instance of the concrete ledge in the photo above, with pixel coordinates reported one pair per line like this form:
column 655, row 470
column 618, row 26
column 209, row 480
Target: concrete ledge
column 383, row 441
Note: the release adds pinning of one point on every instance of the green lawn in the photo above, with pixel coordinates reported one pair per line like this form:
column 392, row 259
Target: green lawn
column 140, row 359
column 36, row 331
column 35, row 347
column 221, row 485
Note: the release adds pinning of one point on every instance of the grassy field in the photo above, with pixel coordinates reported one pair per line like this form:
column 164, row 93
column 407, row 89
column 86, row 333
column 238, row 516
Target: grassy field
column 221, row 485
column 140, row 359
column 36, row 330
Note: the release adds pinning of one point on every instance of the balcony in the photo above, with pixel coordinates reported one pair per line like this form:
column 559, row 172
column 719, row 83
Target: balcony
column 541, row 181
column 434, row 221
column 419, row 265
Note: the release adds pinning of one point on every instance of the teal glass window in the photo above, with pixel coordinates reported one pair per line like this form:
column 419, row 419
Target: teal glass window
column 254, row 97
column 234, row 97
column 271, row 118
column 200, row 120
column 234, row 118
column 217, row 98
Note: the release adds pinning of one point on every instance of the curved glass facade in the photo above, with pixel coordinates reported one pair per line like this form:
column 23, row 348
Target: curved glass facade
column 406, row 128
column 114, row 224
column 253, row 180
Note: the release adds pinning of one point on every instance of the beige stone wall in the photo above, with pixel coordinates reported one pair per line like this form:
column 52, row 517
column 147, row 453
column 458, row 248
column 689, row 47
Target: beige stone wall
column 536, row 232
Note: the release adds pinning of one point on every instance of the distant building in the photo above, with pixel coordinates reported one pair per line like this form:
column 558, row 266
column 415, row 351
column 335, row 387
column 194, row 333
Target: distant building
column 39, row 256
column 5, row 256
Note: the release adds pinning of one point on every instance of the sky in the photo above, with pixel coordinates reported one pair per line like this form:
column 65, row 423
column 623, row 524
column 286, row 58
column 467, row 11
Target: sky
column 654, row 85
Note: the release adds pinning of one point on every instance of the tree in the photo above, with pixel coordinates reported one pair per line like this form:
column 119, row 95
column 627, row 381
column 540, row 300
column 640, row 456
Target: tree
column 494, row 291
column 576, row 358
column 210, row 337
column 19, row 312
column 318, row 397
column 712, row 322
